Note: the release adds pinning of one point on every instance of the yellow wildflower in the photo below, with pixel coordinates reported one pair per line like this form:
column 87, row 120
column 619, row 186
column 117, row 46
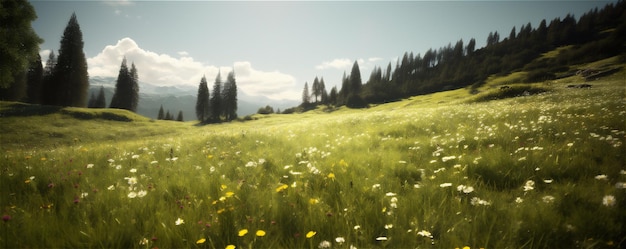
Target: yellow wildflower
column 310, row 234
column 231, row 247
column 229, row 194
column 260, row 233
column 281, row 187
column 242, row 232
column 200, row 241
column 331, row 176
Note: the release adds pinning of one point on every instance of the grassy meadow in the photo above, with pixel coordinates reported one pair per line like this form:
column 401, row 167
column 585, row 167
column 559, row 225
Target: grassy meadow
column 446, row 170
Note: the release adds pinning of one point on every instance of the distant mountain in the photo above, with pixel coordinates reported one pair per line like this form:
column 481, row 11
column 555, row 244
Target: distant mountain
column 180, row 98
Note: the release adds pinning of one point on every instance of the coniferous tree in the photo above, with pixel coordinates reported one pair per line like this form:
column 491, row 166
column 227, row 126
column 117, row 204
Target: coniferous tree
column 306, row 97
column 71, row 80
column 161, row 114
column 168, row 116
column 315, row 89
column 180, row 116
column 324, row 93
column 47, row 94
column 92, row 101
column 229, row 97
column 19, row 44
column 202, row 102
column 216, row 99
column 355, row 79
column 123, row 89
column 100, row 100
column 134, row 94
column 332, row 96
column 35, row 81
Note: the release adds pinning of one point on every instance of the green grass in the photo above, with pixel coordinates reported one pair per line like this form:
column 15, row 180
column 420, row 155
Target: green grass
column 391, row 176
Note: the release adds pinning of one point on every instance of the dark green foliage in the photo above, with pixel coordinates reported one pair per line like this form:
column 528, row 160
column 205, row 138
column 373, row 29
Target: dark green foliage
column 70, row 81
column 306, row 97
column 34, row 81
column 180, row 116
column 126, row 94
column 100, row 100
column 202, row 102
column 161, row 114
column 509, row 92
column 266, row 110
column 229, row 97
column 216, row 99
column 18, row 41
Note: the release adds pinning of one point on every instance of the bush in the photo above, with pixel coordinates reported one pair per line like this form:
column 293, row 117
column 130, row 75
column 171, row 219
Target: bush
column 355, row 101
column 509, row 92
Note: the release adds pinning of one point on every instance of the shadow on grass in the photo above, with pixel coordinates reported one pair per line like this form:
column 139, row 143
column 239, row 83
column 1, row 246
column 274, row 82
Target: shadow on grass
column 25, row 110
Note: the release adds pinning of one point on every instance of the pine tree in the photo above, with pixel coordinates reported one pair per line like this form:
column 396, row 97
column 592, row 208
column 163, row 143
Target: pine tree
column 19, row 43
column 34, row 81
column 216, row 99
column 315, row 89
column 161, row 114
column 355, row 79
column 123, row 88
column 306, row 97
column 100, row 100
column 229, row 97
column 47, row 85
column 202, row 102
column 332, row 97
column 71, row 80
column 134, row 94
column 180, row 116
column 168, row 116
column 324, row 93
column 92, row 101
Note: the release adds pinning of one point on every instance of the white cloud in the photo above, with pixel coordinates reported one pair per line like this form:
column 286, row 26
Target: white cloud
column 335, row 64
column 165, row 70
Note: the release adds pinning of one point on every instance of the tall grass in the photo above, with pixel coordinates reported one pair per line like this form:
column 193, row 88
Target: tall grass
column 526, row 172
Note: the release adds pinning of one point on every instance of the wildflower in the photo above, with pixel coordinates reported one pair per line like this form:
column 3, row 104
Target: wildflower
column 621, row 185
column 110, row 160
column 608, row 200
column 425, row 233
column 231, row 247
column 260, row 233
column 135, row 156
column 465, row 189
column 519, row 200
column 381, row 238
column 313, row 201
column 548, row 199
column 601, row 177
column 6, row 217
column 390, row 194
column 251, row 164
column 154, row 162
column 133, row 170
column 388, row 226
column 142, row 193
column 89, row 166
column 447, row 158
column 310, row 234
column 357, row 227
column 242, row 232
column 111, row 187
column 375, row 186
column 331, row 176
column 201, row 241
column 144, row 241
column 179, row 222
column 340, row 240
column 445, row 185
column 281, row 187
column 548, row 181
column 477, row 201
column 530, row 185
column 324, row 244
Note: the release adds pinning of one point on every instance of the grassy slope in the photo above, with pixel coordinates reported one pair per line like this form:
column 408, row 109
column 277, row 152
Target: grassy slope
column 354, row 163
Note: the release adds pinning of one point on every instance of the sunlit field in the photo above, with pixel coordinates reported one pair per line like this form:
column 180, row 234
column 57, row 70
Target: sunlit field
column 546, row 170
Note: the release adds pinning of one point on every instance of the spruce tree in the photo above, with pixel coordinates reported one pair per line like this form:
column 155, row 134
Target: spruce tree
column 134, row 94
column 71, row 80
column 306, row 97
column 323, row 92
column 229, row 97
column 202, row 103
column 315, row 89
column 47, row 85
column 355, row 79
column 100, row 100
column 216, row 99
column 180, row 116
column 161, row 114
column 35, row 81
column 92, row 101
column 123, row 88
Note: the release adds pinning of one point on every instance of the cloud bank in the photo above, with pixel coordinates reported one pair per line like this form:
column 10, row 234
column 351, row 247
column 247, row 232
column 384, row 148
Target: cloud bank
column 166, row 70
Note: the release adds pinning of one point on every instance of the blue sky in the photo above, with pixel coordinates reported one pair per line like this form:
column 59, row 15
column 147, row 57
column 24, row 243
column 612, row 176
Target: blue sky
column 275, row 47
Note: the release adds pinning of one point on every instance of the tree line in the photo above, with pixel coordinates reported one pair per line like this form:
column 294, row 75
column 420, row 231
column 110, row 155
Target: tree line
column 222, row 104
column 597, row 34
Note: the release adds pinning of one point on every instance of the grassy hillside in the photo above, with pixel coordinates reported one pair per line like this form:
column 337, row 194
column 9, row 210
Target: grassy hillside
column 433, row 171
